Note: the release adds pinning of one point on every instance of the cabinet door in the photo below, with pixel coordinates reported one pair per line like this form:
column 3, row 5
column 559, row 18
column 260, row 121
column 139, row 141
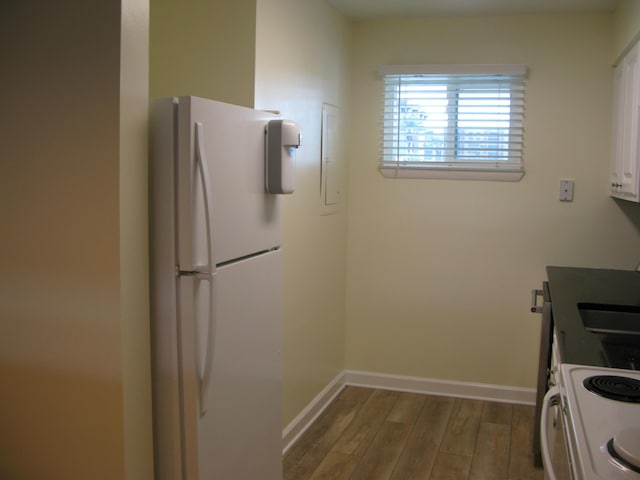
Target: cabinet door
column 618, row 130
column 624, row 171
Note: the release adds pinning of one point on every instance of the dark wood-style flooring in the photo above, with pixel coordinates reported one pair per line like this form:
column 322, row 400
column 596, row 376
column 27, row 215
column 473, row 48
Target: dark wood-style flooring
column 367, row 434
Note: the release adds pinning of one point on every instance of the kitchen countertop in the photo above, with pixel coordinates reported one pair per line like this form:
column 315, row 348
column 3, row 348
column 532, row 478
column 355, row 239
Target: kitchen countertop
column 570, row 286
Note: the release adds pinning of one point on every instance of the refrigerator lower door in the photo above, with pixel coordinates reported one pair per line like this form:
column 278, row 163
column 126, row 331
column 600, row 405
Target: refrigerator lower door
column 240, row 433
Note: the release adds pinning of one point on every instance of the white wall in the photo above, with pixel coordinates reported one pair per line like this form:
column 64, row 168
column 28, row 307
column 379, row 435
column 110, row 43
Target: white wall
column 68, row 333
column 440, row 272
column 301, row 62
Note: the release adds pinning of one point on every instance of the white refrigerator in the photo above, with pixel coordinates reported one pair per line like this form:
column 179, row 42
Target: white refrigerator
column 215, row 294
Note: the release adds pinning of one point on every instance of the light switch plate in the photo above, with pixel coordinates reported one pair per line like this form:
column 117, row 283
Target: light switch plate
column 566, row 190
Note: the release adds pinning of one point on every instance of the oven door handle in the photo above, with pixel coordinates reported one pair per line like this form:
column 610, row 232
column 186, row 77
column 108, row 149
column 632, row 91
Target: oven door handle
column 535, row 293
column 551, row 399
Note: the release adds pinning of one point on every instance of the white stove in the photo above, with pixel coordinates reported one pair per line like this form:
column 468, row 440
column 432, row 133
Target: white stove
column 603, row 434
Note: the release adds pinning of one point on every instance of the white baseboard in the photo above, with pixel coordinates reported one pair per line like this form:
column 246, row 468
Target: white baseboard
column 478, row 391
column 308, row 415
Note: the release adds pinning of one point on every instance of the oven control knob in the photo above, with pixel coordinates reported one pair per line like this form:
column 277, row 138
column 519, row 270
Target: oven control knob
column 626, row 445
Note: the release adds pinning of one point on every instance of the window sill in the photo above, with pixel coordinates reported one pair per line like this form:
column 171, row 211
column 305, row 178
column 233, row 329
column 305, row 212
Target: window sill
column 451, row 173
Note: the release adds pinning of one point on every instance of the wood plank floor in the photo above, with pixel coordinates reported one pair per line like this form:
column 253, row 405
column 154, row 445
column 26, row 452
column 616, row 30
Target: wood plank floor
column 368, row 434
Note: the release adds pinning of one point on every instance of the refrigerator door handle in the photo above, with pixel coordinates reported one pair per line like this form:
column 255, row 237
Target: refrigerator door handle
column 206, row 272
column 202, row 164
column 206, row 355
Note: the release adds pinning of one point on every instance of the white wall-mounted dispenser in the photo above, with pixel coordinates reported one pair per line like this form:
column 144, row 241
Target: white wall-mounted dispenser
column 282, row 139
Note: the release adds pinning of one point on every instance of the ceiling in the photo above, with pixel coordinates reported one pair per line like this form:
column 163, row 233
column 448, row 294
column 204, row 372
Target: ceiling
column 368, row 9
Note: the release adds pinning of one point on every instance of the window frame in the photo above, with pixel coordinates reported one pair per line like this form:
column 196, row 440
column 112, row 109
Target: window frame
column 456, row 168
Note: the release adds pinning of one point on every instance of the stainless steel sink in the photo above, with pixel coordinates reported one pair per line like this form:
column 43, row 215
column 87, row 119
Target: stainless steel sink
column 617, row 319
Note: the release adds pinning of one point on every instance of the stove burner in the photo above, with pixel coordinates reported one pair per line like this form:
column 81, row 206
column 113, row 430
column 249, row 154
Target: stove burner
column 625, row 448
column 623, row 389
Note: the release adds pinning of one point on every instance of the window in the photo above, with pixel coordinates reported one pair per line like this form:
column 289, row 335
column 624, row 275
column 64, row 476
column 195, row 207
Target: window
column 453, row 121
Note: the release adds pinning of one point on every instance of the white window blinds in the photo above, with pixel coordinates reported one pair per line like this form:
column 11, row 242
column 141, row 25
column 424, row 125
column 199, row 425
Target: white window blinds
column 465, row 118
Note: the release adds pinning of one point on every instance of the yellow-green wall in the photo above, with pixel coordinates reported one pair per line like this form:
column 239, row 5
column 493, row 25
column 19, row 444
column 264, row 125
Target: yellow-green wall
column 626, row 25
column 439, row 271
column 73, row 319
column 295, row 55
column 204, row 48
column 302, row 62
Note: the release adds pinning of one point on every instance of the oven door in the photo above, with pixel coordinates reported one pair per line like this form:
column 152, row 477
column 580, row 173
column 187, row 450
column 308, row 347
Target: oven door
column 544, row 360
column 553, row 441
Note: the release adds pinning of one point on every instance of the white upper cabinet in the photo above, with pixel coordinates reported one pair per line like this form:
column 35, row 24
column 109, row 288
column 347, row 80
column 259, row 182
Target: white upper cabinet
column 625, row 181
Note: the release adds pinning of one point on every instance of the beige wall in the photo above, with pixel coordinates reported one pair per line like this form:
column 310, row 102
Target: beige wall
column 203, row 48
column 439, row 272
column 63, row 344
column 626, row 22
column 301, row 62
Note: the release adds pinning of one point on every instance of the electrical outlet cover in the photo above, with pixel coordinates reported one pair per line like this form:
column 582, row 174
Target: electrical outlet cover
column 566, row 190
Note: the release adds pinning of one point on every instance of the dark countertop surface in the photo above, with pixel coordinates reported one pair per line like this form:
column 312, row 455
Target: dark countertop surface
column 570, row 286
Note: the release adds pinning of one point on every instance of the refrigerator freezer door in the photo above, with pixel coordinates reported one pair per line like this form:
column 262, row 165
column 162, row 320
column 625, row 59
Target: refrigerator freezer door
column 232, row 139
column 240, row 434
